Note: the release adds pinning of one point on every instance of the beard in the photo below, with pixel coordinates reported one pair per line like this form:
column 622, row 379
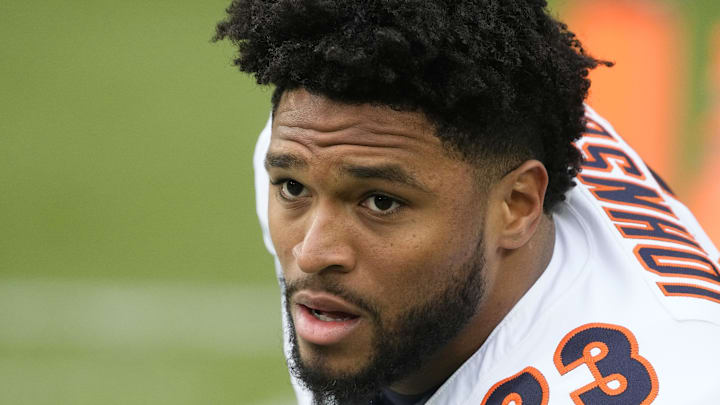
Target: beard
column 400, row 346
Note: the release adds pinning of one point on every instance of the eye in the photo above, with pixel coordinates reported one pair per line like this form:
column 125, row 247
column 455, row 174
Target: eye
column 291, row 189
column 381, row 204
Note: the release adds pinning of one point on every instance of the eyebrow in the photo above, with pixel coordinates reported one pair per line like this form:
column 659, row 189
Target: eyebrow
column 284, row 161
column 390, row 172
column 387, row 172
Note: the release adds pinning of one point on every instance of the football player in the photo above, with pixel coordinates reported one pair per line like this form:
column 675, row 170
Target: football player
column 452, row 225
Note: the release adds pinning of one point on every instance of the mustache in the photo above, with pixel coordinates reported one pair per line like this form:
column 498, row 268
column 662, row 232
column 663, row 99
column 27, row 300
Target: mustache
column 332, row 287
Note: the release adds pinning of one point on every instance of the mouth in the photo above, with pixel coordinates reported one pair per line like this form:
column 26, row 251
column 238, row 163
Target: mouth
column 324, row 319
column 330, row 316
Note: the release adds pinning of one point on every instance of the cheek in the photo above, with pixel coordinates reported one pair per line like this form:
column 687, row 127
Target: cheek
column 411, row 270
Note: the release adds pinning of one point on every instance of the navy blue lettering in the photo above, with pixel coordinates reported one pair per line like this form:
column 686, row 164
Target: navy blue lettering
column 625, row 193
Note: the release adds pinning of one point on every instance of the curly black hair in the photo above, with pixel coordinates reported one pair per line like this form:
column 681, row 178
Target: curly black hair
column 501, row 80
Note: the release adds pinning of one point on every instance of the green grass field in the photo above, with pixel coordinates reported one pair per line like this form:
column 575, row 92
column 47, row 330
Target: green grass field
column 131, row 265
column 99, row 342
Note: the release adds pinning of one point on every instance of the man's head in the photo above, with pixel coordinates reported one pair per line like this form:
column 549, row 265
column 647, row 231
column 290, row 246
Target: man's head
column 497, row 78
column 381, row 251
column 415, row 146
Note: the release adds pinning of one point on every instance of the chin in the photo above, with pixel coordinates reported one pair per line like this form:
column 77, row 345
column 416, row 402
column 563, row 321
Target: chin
column 331, row 361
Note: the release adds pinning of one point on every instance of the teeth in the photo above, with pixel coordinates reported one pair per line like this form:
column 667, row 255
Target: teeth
column 321, row 316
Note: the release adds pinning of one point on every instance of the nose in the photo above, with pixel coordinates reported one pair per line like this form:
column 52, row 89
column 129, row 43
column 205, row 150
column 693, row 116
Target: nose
column 326, row 244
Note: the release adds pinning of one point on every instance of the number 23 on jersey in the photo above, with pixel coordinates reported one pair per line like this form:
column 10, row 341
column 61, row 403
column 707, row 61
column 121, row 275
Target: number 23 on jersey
column 620, row 374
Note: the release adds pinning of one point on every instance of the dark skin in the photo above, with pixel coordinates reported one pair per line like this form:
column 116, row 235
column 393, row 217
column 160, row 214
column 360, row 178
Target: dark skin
column 396, row 237
column 521, row 253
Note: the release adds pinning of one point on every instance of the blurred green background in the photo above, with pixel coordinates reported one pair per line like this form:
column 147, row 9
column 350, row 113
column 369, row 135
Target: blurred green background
column 132, row 269
column 131, row 265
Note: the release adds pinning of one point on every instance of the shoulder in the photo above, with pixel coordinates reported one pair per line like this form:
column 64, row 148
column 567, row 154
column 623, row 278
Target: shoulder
column 639, row 322
column 603, row 363
column 635, row 215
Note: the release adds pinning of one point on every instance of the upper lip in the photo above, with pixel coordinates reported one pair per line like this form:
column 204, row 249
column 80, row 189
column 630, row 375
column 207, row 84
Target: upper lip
column 325, row 302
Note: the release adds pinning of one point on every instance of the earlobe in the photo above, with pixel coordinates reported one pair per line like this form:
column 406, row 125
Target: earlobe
column 523, row 192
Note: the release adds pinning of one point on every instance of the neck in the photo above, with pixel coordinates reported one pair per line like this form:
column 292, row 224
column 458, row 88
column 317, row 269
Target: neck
column 508, row 276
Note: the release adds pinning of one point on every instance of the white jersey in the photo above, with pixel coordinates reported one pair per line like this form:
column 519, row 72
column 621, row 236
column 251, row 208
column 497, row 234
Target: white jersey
column 627, row 311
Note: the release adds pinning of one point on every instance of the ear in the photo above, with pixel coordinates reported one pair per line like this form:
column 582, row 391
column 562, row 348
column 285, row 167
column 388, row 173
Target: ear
column 520, row 196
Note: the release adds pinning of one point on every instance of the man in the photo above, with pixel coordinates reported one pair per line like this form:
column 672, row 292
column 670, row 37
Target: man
column 431, row 247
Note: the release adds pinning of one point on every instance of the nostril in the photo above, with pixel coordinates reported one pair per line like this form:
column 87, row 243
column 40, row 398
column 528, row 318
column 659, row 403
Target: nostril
column 314, row 259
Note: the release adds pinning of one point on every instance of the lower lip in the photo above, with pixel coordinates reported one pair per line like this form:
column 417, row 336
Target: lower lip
column 313, row 330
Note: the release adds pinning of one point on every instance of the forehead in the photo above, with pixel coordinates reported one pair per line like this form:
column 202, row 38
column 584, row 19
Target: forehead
column 306, row 118
column 317, row 135
column 301, row 108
